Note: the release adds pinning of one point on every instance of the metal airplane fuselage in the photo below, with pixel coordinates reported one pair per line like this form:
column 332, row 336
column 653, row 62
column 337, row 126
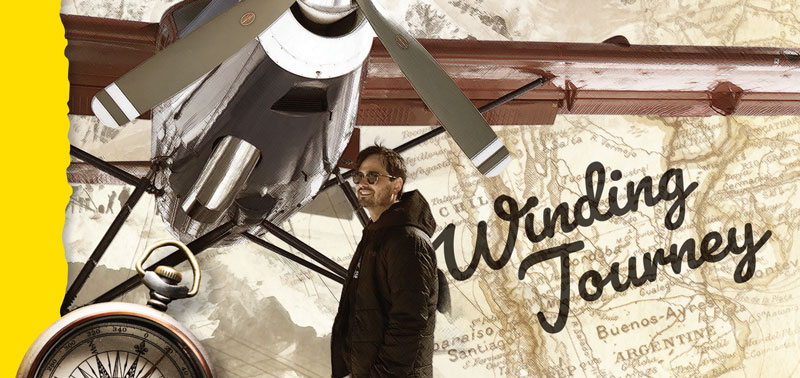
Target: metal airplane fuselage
column 256, row 137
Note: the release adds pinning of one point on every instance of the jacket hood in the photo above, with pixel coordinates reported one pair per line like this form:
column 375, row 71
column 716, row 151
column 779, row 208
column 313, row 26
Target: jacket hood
column 411, row 210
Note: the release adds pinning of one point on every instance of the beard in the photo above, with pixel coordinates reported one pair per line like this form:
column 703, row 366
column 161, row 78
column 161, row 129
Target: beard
column 378, row 198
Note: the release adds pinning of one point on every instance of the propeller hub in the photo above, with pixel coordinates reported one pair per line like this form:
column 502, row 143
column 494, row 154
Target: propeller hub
column 326, row 11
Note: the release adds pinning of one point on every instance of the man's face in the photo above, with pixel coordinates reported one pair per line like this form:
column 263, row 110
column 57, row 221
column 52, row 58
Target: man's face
column 383, row 193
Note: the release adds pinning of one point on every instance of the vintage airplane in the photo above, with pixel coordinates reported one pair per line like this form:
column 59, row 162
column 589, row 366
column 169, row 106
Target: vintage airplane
column 247, row 130
column 264, row 120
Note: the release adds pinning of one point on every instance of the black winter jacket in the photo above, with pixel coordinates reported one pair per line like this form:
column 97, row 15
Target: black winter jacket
column 384, row 326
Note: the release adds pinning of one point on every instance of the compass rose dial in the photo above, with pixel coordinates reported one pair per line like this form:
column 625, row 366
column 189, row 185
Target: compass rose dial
column 117, row 347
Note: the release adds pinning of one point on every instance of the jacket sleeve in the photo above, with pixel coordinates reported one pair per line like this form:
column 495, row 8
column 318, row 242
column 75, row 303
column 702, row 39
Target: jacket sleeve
column 408, row 279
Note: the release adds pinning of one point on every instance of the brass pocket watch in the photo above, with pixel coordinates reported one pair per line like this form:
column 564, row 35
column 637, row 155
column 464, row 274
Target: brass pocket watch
column 124, row 340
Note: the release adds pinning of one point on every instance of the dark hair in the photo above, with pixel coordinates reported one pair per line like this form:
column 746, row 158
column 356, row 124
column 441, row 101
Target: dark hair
column 394, row 163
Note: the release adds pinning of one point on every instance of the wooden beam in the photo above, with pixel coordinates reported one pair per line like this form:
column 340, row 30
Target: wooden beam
column 603, row 78
column 587, row 78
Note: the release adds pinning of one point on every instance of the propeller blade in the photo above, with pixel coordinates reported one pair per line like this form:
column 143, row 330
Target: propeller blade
column 442, row 96
column 213, row 9
column 185, row 61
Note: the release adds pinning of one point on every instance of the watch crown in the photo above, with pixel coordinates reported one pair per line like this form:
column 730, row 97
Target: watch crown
column 169, row 273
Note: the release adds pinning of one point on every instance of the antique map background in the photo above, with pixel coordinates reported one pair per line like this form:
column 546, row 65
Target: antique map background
column 261, row 316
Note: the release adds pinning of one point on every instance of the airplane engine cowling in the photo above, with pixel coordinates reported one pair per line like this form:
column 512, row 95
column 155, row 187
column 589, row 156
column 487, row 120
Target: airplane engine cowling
column 294, row 108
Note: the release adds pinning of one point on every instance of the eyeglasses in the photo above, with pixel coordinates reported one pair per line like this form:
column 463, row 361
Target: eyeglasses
column 372, row 177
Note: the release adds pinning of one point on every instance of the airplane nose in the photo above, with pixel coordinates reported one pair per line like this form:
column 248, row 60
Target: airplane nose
column 326, row 11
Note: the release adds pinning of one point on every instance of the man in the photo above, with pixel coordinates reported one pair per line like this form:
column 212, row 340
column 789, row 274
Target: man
column 384, row 326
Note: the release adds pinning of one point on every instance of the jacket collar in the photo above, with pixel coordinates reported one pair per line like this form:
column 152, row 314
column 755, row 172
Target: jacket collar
column 411, row 210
